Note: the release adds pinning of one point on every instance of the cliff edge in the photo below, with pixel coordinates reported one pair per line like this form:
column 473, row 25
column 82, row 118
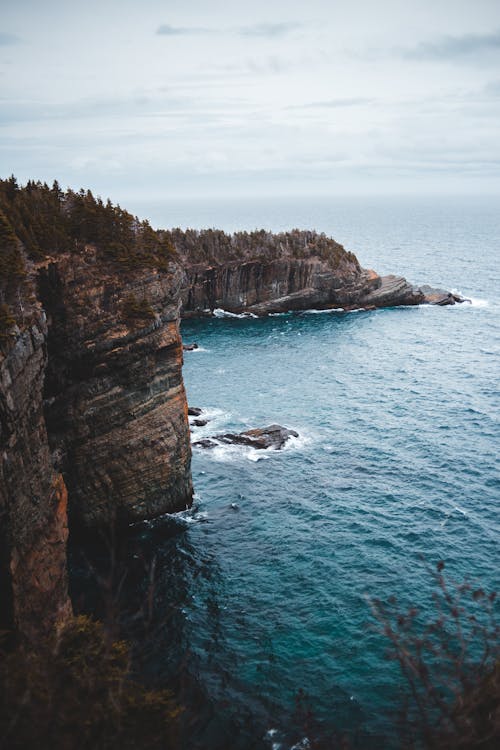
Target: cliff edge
column 115, row 403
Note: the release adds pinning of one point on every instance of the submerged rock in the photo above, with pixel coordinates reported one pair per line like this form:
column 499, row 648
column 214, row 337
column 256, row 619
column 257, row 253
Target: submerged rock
column 200, row 422
column 275, row 436
column 194, row 411
column 189, row 347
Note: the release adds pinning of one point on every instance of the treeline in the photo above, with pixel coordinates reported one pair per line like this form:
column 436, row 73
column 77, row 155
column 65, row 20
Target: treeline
column 49, row 221
column 37, row 221
column 215, row 246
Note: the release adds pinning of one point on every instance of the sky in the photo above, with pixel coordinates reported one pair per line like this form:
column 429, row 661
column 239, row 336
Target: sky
column 167, row 98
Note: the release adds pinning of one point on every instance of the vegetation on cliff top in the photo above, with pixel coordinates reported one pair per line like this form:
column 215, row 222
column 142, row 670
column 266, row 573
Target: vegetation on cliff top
column 49, row 221
column 215, row 246
column 38, row 221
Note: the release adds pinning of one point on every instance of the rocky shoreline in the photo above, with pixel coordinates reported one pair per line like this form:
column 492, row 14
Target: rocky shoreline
column 93, row 411
column 289, row 272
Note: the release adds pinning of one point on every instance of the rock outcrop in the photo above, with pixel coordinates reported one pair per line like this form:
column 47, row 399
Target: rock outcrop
column 275, row 436
column 115, row 402
column 286, row 272
column 93, row 420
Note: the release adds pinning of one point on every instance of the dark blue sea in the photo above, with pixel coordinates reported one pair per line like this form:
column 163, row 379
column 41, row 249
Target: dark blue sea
column 267, row 581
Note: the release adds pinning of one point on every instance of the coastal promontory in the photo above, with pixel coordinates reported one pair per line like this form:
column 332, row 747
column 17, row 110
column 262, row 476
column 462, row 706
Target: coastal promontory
column 93, row 413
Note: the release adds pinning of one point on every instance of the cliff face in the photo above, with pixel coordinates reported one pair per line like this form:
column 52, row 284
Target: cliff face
column 93, row 420
column 33, row 496
column 262, row 287
column 115, row 402
column 292, row 271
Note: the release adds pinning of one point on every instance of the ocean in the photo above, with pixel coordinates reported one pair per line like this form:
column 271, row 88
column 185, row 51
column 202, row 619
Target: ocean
column 263, row 588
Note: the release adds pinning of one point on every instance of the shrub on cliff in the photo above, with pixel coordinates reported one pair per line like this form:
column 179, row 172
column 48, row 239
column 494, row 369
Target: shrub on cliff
column 12, row 276
column 76, row 691
column 450, row 666
column 134, row 310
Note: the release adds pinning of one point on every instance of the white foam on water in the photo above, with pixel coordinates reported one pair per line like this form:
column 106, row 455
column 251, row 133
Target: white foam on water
column 314, row 311
column 297, row 444
column 220, row 313
column 198, row 349
column 470, row 301
column 227, row 452
column 217, row 422
column 477, row 302
column 230, row 453
column 190, row 516
column 212, row 413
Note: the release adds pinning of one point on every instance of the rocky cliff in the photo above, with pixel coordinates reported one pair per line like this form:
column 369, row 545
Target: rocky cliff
column 115, row 403
column 263, row 273
column 90, row 390
column 93, row 413
column 33, row 496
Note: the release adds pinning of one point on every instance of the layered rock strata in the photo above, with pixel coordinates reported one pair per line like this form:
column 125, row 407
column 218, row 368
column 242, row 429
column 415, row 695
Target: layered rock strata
column 324, row 276
column 115, row 402
column 93, row 419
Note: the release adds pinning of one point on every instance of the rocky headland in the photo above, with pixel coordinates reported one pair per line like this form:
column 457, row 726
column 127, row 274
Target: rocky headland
column 93, row 414
column 261, row 273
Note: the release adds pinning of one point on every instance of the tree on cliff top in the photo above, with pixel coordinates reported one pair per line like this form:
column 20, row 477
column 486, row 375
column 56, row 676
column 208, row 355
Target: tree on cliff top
column 48, row 221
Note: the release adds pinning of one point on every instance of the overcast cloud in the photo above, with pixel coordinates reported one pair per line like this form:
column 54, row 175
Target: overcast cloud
column 166, row 98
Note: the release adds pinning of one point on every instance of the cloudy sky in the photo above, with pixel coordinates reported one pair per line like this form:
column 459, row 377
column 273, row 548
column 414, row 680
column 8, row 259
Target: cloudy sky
column 166, row 98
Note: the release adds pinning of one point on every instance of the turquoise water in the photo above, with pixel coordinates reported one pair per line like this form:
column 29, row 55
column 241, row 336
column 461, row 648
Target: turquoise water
column 266, row 581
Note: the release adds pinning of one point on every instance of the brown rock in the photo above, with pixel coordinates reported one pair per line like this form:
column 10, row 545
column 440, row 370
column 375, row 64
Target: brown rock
column 116, row 405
